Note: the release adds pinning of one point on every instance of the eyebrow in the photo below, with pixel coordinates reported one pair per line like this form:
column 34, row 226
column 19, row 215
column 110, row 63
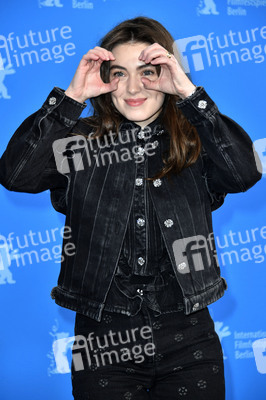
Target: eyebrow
column 139, row 67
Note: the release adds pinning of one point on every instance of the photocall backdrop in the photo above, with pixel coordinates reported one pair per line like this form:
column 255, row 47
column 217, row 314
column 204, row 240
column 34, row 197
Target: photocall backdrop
column 223, row 44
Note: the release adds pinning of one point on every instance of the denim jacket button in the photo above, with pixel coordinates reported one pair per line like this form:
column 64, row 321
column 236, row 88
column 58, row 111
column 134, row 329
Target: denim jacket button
column 202, row 104
column 168, row 223
column 139, row 181
column 195, row 307
column 52, row 101
column 154, row 144
column 141, row 135
column 157, row 182
column 141, row 261
column 181, row 266
column 141, row 221
column 140, row 151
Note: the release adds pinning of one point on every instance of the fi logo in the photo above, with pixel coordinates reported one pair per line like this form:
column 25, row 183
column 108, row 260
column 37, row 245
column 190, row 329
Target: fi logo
column 80, row 352
column 259, row 350
column 259, row 149
column 194, row 51
column 71, row 154
column 192, row 253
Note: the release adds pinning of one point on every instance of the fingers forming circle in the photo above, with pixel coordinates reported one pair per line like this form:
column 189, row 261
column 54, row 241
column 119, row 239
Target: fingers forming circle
column 99, row 53
column 154, row 51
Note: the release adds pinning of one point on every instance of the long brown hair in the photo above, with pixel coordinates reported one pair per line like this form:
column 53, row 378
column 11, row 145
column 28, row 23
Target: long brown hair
column 184, row 140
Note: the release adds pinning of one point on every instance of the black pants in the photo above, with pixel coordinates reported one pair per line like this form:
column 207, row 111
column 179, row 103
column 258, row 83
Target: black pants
column 169, row 356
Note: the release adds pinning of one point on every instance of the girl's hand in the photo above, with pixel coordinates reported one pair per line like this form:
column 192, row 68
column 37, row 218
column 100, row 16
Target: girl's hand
column 172, row 79
column 87, row 81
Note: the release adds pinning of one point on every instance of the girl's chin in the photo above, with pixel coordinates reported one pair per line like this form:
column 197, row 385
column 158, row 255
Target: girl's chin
column 138, row 117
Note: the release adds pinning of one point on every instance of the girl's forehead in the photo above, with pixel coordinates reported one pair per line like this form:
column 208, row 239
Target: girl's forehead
column 128, row 55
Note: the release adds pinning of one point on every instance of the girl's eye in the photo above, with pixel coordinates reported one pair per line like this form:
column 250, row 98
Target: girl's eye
column 148, row 72
column 118, row 73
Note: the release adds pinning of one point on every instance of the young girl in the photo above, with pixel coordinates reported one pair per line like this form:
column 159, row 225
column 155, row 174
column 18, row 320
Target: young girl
column 137, row 182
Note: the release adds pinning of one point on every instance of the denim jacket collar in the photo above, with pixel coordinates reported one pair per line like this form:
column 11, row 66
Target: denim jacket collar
column 155, row 127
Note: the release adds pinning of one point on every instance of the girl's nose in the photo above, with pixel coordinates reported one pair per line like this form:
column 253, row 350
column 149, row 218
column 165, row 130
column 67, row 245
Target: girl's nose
column 134, row 85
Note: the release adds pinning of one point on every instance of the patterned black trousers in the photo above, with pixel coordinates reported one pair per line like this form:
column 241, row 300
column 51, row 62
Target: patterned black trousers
column 171, row 356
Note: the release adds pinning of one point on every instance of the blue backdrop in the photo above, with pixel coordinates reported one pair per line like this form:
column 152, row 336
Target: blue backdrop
column 223, row 44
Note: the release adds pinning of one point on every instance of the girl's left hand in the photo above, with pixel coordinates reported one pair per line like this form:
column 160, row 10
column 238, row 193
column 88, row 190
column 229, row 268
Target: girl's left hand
column 172, row 79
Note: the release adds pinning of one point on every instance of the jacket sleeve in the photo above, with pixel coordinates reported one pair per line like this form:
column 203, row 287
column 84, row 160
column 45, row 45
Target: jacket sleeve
column 228, row 156
column 28, row 163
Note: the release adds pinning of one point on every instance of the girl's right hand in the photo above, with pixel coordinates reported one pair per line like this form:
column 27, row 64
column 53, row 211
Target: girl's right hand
column 87, row 81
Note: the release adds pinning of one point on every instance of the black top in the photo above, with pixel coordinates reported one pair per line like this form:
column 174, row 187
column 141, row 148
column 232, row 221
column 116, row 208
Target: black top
column 144, row 271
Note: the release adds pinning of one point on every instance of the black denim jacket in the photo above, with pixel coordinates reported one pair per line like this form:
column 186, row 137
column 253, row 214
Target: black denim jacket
column 97, row 199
